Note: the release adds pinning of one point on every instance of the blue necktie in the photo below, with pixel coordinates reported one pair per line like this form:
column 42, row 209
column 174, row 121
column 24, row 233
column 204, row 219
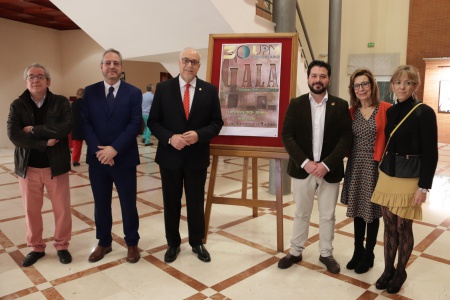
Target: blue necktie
column 110, row 97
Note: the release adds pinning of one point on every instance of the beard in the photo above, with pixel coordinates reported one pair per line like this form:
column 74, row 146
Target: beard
column 319, row 90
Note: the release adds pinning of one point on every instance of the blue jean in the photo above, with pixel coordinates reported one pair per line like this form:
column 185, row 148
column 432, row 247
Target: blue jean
column 147, row 133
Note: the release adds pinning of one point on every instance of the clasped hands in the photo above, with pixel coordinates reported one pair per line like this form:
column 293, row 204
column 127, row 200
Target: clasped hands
column 106, row 155
column 179, row 141
column 316, row 169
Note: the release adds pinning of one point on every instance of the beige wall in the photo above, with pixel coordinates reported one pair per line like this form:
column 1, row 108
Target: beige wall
column 142, row 73
column 81, row 64
column 21, row 45
column 383, row 22
column 72, row 57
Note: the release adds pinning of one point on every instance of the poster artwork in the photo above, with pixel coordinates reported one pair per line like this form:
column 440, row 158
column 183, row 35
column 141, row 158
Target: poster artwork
column 249, row 89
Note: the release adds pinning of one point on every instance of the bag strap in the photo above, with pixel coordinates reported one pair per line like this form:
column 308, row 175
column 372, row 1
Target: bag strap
column 396, row 127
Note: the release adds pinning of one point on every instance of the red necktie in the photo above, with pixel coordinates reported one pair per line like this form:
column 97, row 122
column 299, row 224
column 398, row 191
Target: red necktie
column 186, row 100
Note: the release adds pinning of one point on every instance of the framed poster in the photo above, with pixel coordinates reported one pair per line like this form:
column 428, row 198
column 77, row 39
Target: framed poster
column 444, row 96
column 255, row 75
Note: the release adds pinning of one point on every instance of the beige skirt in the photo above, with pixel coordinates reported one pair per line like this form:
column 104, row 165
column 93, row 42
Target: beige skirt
column 397, row 194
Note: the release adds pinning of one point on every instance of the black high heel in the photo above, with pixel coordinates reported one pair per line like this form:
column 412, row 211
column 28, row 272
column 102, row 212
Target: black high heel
column 366, row 263
column 383, row 282
column 396, row 283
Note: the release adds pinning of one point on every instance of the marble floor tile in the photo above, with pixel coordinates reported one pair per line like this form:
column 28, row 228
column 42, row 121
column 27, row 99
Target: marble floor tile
column 243, row 247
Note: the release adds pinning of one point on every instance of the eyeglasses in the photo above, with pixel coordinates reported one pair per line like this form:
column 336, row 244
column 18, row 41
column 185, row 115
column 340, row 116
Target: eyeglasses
column 406, row 83
column 193, row 62
column 115, row 63
column 38, row 77
column 363, row 84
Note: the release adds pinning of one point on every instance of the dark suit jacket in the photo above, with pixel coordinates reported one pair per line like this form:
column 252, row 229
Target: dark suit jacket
column 117, row 128
column 297, row 136
column 167, row 118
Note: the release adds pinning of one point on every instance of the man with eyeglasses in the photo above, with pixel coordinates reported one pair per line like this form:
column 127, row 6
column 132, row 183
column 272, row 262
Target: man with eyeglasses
column 184, row 117
column 112, row 118
column 39, row 123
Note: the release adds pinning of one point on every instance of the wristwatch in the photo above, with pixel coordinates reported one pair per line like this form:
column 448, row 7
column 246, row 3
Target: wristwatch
column 31, row 130
column 423, row 190
column 169, row 140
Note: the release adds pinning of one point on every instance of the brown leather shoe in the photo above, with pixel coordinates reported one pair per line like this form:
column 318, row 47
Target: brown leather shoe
column 99, row 253
column 133, row 254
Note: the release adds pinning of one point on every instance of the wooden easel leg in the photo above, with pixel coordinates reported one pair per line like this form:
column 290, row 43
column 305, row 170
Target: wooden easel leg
column 208, row 206
column 255, row 184
column 244, row 179
column 279, row 205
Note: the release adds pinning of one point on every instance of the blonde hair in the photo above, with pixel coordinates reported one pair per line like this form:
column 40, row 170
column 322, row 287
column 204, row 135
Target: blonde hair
column 410, row 71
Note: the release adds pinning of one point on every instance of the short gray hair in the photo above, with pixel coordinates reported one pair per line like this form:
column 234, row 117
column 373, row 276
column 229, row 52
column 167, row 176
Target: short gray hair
column 39, row 66
column 114, row 51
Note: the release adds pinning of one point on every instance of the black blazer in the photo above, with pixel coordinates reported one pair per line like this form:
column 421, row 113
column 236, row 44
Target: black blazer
column 167, row 118
column 297, row 136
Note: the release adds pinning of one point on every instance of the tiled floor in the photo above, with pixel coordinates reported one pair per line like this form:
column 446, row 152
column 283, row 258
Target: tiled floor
column 243, row 248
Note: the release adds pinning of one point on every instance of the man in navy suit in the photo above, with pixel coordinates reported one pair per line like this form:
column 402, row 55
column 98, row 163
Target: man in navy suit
column 184, row 117
column 112, row 117
column 317, row 134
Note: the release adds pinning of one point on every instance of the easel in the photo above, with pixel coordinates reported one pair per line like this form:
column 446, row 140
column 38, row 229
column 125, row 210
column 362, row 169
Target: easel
column 276, row 153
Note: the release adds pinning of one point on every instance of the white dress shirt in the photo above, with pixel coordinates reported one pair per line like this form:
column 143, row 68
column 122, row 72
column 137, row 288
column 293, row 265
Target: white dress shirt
column 318, row 123
column 115, row 86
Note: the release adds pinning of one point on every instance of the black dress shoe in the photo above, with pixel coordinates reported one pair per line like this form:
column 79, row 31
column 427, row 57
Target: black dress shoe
column 76, row 164
column 64, row 256
column 31, row 258
column 202, row 253
column 289, row 260
column 331, row 264
column 171, row 254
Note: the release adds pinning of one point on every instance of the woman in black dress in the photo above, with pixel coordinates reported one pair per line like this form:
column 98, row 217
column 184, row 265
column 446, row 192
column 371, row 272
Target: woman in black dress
column 361, row 174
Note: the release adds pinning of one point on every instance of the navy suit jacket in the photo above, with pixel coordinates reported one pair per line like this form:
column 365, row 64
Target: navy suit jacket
column 298, row 137
column 167, row 118
column 117, row 127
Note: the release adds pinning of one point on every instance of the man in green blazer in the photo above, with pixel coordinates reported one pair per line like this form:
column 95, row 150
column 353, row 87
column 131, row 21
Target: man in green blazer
column 317, row 134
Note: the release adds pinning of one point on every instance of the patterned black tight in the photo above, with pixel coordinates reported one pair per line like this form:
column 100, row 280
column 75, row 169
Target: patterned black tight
column 398, row 237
